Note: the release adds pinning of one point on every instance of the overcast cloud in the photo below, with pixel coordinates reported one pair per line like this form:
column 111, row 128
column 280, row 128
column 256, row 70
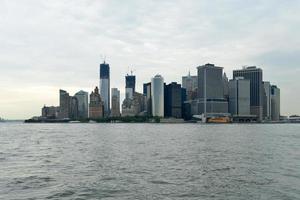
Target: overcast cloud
column 48, row 45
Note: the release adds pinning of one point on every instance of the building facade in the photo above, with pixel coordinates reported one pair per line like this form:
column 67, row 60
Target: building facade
column 115, row 102
column 105, row 86
column 96, row 106
column 173, row 100
column 50, row 112
column 210, row 91
column 239, row 97
column 64, row 105
column 129, row 86
column 157, row 94
column 275, row 103
column 148, row 98
column 267, row 101
column 190, row 83
column 255, row 75
column 83, row 104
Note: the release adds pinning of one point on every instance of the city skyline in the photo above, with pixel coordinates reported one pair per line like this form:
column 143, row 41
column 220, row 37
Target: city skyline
column 34, row 69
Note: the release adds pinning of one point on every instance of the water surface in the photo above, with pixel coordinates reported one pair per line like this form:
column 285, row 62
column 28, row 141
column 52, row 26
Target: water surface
column 149, row 161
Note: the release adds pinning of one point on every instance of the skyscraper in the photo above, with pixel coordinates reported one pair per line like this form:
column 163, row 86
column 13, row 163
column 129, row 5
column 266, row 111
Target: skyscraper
column 267, row 101
column 255, row 75
column 105, row 87
column 210, row 91
column 115, row 102
column 96, row 107
column 83, row 104
column 190, row 83
column 239, row 96
column 130, row 86
column 173, row 100
column 275, row 103
column 64, row 104
column 157, row 94
column 147, row 94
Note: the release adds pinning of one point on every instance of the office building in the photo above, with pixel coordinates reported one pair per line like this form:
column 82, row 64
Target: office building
column 255, row 75
column 83, row 104
column 275, row 103
column 105, row 87
column 190, row 83
column 115, row 102
column 64, row 105
column 173, row 100
column 225, row 86
column 239, row 97
column 148, row 100
column 74, row 108
column 210, row 91
column 157, row 94
column 96, row 106
column 267, row 101
column 129, row 86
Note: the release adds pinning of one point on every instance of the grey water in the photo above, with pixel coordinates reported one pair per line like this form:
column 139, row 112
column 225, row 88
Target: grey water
column 149, row 161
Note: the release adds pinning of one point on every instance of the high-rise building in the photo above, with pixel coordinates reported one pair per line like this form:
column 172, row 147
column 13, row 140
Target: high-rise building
column 115, row 102
column 239, row 96
column 173, row 100
column 74, row 108
column 225, row 86
column 210, row 91
column 275, row 103
column 255, row 75
column 130, row 86
column 96, row 107
column 190, row 83
column 64, row 105
column 105, row 87
column 147, row 94
column 157, row 94
column 83, row 104
column 267, row 101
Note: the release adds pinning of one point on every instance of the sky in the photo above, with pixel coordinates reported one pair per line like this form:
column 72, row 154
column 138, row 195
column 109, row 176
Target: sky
column 48, row 45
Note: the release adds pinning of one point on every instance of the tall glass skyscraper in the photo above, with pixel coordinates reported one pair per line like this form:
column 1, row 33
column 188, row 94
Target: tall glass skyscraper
column 157, row 94
column 130, row 86
column 255, row 75
column 105, row 87
column 83, row 104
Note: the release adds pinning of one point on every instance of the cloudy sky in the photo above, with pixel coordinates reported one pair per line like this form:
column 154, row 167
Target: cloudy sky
column 48, row 45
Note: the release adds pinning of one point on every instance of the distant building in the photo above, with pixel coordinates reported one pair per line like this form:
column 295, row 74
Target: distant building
column 157, row 94
column 105, row 86
column 74, row 108
column 147, row 94
column 225, row 86
column 64, row 105
column 134, row 106
column 239, row 96
column 173, row 100
column 96, row 107
column 129, row 86
column 83, row 104
column 50, row 112
column 190, row 83
column 115, row 102
column 275, row 103
column 267, row 101
column 210, row 91
column 255, row 75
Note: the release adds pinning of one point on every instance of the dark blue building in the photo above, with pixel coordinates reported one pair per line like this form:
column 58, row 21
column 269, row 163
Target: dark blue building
column 104, row 71
column 173, row 100
column 130, row 82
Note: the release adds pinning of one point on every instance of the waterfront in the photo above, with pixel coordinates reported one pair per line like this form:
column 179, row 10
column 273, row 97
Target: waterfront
column 149, row 161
